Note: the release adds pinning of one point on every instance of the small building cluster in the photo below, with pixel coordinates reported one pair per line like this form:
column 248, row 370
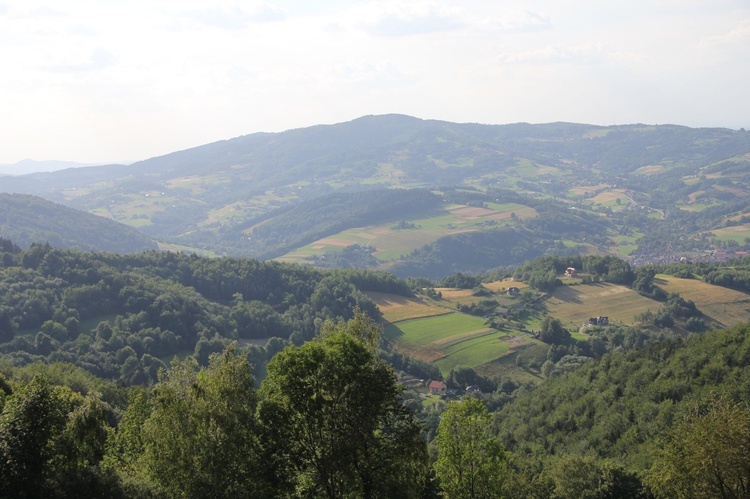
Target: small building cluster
column 571, row 272
column 599, row 321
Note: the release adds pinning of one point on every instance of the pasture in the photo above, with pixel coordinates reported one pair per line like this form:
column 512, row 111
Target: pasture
column 573, row 305
column 723, row 305
column 424, row 331
column 450, row 340
column 398, row 308
column 392, row 243
column 737, row 233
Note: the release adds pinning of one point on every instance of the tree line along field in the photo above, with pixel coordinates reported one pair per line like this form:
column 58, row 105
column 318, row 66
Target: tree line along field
column 573, row 305
column 391, row 242
column 725, row 306
column 434, row 331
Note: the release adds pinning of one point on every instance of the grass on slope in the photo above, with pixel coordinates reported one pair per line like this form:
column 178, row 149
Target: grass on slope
column 392, row 243
column 726, row 306
column 573, row 305
column 420, row 332
column 398, row 308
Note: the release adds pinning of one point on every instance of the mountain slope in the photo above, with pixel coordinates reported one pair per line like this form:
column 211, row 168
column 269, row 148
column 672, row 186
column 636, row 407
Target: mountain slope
column 661, row 188
column 28, row 219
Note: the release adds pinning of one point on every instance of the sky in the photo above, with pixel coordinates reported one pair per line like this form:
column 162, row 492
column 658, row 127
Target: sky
column 120, row 81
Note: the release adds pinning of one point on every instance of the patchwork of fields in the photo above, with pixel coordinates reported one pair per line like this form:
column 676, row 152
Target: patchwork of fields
column 432, row 330
column 435, row 331
column 449, row 340
column 391, row 242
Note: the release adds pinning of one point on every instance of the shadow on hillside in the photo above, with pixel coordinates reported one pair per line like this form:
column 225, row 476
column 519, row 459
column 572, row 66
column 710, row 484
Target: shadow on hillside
column 568, row 294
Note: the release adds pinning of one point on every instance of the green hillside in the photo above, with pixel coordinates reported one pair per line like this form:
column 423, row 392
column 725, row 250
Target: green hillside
column 651, row 193
column 28, row 219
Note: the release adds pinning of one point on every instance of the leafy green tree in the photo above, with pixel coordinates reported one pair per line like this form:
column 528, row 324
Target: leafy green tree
column 552, row 331
column 334, row 421
column 585, row 477
column 32, row 417
column 706, row 455
column 471, row 463
column 200, row 439
column 51, row 442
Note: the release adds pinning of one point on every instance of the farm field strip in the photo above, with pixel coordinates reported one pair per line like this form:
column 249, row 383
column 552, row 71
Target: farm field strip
column 421, row 332
column 392, row 243
column 473, row 352
column 575, row 304
column 725, row 306
column 397, row 308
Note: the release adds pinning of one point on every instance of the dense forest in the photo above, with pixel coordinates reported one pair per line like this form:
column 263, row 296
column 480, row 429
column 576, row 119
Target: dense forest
column 123, row 317
column 153, row 375
column 670, row 420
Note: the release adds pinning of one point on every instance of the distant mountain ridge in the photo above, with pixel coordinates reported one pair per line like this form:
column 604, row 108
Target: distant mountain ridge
column 204, row 196
column 27, row 166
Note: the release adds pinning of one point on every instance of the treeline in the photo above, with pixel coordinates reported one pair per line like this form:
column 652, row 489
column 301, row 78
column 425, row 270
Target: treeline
column 733, row 274
column 122, row 317
column 476, row 252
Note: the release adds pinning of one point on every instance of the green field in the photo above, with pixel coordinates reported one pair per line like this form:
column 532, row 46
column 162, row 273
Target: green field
column 392, row 243
column 454, row 339
column 738, row 233
column 431, row 329
column 474, row 351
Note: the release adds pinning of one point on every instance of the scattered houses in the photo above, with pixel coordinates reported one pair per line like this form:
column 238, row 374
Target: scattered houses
column 602, row 320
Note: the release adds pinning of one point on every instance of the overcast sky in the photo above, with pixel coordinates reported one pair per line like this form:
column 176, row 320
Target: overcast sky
column 116, row 80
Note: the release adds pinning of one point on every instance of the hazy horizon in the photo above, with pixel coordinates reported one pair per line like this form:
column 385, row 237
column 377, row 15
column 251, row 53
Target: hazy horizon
column 91, row 82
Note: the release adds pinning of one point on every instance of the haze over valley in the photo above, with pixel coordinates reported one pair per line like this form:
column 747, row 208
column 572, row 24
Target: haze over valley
column 375, row 249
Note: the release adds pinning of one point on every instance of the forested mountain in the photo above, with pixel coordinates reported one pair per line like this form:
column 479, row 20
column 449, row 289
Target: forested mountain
column 29, row 219
column 661, row 192
column 173, row 375
column 124, row 317
column 654, row 413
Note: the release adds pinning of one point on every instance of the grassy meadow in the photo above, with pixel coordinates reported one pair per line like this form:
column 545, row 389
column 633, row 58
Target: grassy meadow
column 573, row 305
column 391, row 243
column 725, row 306
column 434, row 331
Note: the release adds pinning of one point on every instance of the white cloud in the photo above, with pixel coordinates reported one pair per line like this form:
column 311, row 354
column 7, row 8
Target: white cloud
column 557, row 54
column 147, row 77
column 235, row 16
column 406, row 18
column 97, row 59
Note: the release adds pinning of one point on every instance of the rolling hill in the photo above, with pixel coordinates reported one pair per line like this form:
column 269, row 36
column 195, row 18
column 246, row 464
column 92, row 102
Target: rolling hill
column 28, row 219
column 646, row 192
